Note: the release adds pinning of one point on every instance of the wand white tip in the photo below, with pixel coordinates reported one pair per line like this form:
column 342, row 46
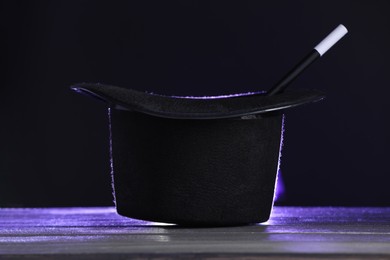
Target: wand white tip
column 331, row 39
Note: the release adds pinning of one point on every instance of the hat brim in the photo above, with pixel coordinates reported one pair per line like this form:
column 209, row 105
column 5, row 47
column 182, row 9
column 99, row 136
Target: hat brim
column 213, row 107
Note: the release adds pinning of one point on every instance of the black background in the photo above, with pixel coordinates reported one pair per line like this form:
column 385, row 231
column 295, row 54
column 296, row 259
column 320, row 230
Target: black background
column 54, row 143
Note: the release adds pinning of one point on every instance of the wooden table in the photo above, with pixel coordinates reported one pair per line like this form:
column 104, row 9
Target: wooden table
column 99, row 233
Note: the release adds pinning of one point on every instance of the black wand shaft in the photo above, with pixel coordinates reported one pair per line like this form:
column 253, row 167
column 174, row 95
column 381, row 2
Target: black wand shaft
column 292, row 74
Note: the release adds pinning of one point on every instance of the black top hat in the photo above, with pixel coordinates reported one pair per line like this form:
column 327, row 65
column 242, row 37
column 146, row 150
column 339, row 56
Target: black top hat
column 195, row 160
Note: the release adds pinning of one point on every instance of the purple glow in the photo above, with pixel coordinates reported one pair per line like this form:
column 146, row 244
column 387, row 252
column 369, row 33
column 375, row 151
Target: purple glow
column 280, row 188
column 279, row 185
column 99, row 232
column 111, row 155
column 217, row 97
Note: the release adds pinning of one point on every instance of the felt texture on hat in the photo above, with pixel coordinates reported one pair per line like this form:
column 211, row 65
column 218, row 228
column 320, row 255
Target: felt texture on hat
column 194, row 172
column 214, row 107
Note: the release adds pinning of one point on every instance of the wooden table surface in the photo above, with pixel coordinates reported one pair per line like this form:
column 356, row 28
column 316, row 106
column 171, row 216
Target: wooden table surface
column 99, row 233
